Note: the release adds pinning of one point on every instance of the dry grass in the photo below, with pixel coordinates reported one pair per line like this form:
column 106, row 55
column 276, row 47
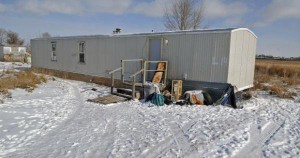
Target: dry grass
column 12, row 58
column 26, row 80
column 287, row 71
column 280, row 75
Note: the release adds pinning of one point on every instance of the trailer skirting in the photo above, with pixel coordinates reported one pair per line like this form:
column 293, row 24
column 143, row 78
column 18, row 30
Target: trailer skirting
column 77, row 76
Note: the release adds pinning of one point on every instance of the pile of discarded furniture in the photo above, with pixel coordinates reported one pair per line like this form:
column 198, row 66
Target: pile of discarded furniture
column 193, row 93
column 150, row 84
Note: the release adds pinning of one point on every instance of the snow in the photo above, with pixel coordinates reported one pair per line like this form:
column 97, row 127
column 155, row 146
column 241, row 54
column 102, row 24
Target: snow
column 55, row 120
column 16, row 66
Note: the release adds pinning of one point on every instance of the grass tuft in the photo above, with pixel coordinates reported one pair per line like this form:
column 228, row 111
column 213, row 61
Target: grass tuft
column 26, row 80
column 279, row 75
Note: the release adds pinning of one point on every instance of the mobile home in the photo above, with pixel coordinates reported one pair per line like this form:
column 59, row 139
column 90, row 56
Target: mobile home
column 215, row 55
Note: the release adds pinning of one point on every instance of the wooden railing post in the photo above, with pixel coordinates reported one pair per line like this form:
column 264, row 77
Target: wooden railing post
column 122, row 71
column 134, row 81
column 112, row 83
column 133, row 87
column 112, row 74
column 145, row 72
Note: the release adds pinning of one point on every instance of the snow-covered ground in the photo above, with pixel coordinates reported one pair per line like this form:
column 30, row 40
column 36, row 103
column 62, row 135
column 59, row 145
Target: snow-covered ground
column 13, row 66
column 55, row 120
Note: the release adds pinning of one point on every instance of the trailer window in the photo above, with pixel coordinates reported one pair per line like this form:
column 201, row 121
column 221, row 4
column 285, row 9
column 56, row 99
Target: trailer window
column 53, row 51
column 81, row 52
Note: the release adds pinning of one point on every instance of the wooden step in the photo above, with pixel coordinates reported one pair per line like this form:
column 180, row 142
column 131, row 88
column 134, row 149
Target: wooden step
column 128, row 92
column 124, row 91
column 123, row 95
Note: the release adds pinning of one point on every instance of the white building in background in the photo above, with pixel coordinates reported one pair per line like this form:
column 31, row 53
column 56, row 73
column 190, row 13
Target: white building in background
column 11, row 50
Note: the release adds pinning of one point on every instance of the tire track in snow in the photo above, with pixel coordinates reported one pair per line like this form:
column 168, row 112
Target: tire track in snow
column 77, row 97
column 42, row 114
column 259, row 139
column 71, row 98
column 178, row 137
column 74, row 139
column 108, row 138
column 278, row 111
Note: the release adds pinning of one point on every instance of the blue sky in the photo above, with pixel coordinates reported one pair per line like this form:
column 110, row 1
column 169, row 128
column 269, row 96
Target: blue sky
column 275, row 22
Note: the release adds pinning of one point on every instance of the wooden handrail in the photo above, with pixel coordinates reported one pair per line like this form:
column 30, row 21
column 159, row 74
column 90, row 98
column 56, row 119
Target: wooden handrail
column 138, row 72
column 113, row 71
column 133, row 77
column 134, row 60
column 147, row 61
column 133, row 82
column 156, row 70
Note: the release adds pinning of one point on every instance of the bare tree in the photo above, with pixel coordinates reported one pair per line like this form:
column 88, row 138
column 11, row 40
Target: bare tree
column 184, row 15
column 2, row 36
column 46, row 35
column 14, row 39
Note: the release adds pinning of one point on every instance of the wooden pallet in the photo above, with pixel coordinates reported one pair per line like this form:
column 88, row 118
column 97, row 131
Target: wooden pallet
column 109, row 99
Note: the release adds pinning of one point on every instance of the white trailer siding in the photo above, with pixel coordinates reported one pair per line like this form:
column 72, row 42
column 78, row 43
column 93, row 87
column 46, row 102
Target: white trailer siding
column 202, row 57
column 101, row 54
column 242, row 58
column 225, row 55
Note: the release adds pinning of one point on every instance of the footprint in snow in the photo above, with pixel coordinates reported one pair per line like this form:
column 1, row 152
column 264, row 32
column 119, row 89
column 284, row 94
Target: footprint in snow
column 26, row 113
column 75, row 144
column 68, row 153
column 10, row 137
column 32, row 121
column 18, row 118
column 87, row 152
column 26, row 126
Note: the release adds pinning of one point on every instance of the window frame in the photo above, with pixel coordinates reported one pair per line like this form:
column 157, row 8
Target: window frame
column 53, row 51
column 81, row 50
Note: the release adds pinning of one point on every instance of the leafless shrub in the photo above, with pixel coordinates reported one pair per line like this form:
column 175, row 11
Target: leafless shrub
column 26, row 80
column 184, row 15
